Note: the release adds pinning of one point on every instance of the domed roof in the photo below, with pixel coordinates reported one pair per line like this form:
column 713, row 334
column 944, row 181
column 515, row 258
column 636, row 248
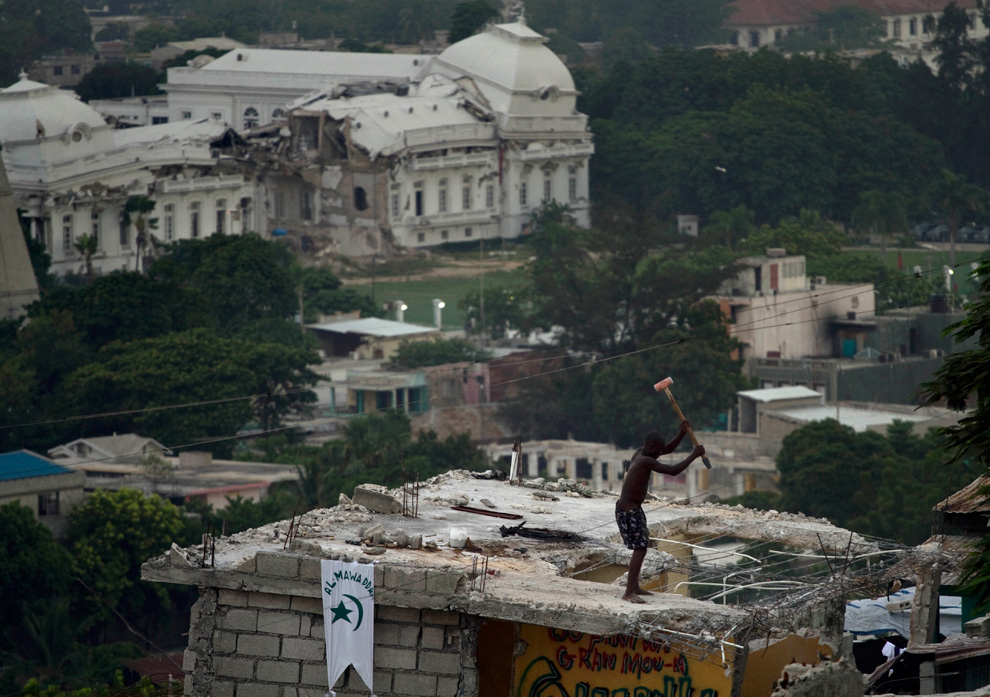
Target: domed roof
column 31, row 110
column 508, row 59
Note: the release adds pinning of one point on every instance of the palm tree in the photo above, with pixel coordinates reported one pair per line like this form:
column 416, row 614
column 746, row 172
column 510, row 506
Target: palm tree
column 951, row 194
column 87, row 245
column 881, row 213
column 731, row 226
column 135, row 211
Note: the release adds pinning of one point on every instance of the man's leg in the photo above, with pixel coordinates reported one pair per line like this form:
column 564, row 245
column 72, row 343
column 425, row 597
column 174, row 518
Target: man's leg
column 632, row 582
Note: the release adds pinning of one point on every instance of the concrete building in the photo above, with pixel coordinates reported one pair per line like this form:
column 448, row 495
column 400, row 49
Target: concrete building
column 72, row 175
column 49, row 490
column 513, row 607
column 368, row 338
column 908, row 25
column 390, row 150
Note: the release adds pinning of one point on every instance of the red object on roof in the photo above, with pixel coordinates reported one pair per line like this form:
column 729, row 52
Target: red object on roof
column 769, row 13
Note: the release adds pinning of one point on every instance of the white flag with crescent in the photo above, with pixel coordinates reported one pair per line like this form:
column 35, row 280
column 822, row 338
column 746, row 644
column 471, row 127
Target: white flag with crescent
column 348, row 591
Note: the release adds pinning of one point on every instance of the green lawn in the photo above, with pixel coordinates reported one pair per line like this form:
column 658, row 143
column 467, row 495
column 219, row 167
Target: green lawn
column 418, row 295
column 930, row 261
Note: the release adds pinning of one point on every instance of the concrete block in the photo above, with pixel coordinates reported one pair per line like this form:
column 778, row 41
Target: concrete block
column 442, row 582
column 383, row 681
column 417, row 684
column 978, row 627
column 255, row 689
column 240, row 620
column 247, row 566
column 222, row 688
column 433, row 638
column 257, row 645
column 454, row 638
column 234, row 667
column 397, row 635
column 269, row 601
column 309, row 569
column 301, row 604
column 232, row 598
column 187, row 684
column 387, row 657
column 379, row 576
column 278, row 623
column 277, row 564
column 375, row 501
column 441, row 617
column 303, row 649
column 447, row 686
column 440, row 663
column 390, row 613
column 224, row 642
column 315, row 674
column 317, row 630
column 400, row 579
column 305, row 625
column 303, row 692
column 188, row 661
column 279, row 671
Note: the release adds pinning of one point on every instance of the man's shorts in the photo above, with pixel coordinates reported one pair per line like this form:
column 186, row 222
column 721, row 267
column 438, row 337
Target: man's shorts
column 632, row 527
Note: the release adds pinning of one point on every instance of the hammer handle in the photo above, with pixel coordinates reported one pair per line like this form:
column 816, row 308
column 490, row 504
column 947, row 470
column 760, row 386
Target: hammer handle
column 673, row 403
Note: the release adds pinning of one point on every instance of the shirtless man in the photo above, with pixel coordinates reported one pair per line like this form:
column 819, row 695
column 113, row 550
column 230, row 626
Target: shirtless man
column 628, row 509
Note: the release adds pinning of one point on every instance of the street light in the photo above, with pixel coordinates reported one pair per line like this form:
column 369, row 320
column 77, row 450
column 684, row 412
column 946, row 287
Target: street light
column 400, row 309
column 438, row 306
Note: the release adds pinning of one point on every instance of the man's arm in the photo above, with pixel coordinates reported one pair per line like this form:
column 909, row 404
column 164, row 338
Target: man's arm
column 676, row 440
column 674, row 470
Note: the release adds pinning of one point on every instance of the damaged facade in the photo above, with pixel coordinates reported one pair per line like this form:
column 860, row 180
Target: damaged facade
column 527, row 600
column 72, row 174
column 466, row 151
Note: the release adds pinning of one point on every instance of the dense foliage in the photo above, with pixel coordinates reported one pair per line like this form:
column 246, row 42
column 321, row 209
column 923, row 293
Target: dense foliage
column 211, row 320
column 963, row 384
column 877, row 484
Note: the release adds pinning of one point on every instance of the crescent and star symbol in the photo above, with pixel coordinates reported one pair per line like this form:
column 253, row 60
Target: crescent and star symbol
column 342, row 613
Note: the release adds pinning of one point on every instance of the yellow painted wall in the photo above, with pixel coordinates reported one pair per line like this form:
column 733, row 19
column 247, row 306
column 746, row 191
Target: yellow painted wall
column 558, row 663
column 764, row 664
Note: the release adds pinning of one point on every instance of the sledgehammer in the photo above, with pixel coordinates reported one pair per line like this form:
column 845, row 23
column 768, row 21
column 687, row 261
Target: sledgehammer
column 665, row 386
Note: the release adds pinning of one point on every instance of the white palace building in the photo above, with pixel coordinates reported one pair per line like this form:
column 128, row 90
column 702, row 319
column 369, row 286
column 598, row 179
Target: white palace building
column 342, row 153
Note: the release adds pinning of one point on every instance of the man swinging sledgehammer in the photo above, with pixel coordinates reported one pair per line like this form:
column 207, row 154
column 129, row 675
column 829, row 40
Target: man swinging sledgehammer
column 629, row 513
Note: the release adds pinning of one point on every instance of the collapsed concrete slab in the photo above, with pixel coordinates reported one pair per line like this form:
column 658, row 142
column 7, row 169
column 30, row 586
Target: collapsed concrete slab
column 532, row 598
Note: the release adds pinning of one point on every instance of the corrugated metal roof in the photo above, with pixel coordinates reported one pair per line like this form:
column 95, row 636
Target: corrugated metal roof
column 778, row 394
column 24, row 464
column 373, row 326
column 969, row 499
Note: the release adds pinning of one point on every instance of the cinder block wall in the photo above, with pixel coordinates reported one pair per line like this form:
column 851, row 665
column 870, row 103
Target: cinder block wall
column 263, row 644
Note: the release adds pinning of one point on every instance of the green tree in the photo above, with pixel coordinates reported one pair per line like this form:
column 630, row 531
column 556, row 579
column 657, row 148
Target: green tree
column 87, row 245
column 843, row 28
column 155, row 35
column 729, row 227
column 30, row 29
column 419, row 354
column 881, row 213
column 188, row 367
column 123, row 305
column 233, row 280
column 32, row 568
column 468, row 17
column 110, row 535
column 136, row 212
column 625, row 404
column 119, row 79
column 951, row 194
